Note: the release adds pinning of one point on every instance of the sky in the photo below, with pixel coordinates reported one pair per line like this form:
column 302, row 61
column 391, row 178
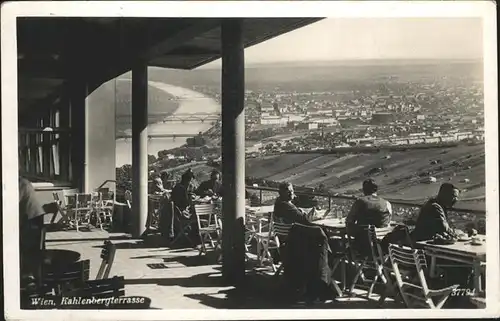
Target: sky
column 373, row 38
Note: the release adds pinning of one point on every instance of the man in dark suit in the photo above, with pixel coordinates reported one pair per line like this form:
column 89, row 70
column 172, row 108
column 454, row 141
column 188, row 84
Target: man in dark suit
column 370, row 209
column 211, row 187
column 433, row 216
column 180, row 205
column 182, row 194
column 285, row 210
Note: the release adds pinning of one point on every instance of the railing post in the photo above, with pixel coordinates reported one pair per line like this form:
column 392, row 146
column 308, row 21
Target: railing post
column 329, row 203
column 260, row 198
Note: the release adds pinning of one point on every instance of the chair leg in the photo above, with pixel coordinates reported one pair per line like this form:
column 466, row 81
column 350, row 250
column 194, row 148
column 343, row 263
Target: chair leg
column 379, row 275
column 259, row 248
column 356, row 277
column 264, row 252
column 278, row 271
column 372, row 286
column 99, row 221
column 336, row 264
column 77, row 223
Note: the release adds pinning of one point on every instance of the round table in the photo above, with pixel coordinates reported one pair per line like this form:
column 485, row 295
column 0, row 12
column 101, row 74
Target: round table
column 57, row 257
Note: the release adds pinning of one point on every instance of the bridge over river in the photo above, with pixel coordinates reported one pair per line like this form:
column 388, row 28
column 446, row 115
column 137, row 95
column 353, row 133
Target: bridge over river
column 178, row 117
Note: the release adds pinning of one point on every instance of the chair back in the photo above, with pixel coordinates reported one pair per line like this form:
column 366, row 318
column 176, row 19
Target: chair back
column 252, row 221
column 278, row 228
column 409, row 268
column 56, row 197
column 65, row 194
column 376, row 250
column 106, row 194
column 80, row 201
column 103, row 288
column 205, row 214
column 66, row 277
column 108, row 256
column 363, row 243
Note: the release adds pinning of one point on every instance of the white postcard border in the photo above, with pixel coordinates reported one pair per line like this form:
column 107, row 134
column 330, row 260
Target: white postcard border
column 483, row 9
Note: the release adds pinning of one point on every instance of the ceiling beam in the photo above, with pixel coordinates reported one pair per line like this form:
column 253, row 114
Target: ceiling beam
column 193, row 51
column 176, row 40
column 293, row 23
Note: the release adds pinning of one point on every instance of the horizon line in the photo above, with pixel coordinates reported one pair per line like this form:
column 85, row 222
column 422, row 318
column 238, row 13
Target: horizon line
column 336, row 61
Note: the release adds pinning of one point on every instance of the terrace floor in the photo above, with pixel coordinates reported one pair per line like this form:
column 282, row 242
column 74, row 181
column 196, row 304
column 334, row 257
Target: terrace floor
column 180, row 279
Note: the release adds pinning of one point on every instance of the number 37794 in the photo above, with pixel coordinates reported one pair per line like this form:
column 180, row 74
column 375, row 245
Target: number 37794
column 463, row 292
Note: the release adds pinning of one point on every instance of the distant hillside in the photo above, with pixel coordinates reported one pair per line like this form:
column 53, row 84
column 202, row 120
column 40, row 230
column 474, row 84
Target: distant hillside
column 119, row 93
column 322, row 76
column 399, row 176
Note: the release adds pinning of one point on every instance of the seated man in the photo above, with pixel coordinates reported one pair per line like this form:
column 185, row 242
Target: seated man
column 211, row 187
column 370, row 209
column 367, row 210
column 433, row 216
column 285, row 210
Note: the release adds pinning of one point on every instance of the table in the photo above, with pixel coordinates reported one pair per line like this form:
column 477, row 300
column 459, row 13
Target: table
column 339, row 224
column 268, row 209
column 332, row 223
column 58, row 258
column 261, row 210
column 462, row 252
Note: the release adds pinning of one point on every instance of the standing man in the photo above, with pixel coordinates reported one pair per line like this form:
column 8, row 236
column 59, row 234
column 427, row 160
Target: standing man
column 180, row 205
column 30, row 229
column 433, row 216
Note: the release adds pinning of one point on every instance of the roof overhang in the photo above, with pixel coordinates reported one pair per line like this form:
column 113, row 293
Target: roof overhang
column 51, row 51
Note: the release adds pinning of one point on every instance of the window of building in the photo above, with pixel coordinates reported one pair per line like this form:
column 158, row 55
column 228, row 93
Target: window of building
column 39, row 147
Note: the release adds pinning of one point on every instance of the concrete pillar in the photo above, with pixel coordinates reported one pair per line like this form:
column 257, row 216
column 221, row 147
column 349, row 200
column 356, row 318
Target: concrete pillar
column 79, row 148
column 233, row 151
column 139, row 148
column 101, row 138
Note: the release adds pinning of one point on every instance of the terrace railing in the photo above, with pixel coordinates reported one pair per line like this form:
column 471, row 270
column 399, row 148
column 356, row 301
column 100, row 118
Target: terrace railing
column 403, row 211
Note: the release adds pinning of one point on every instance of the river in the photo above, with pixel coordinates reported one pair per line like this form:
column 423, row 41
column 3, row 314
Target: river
column 190, row 102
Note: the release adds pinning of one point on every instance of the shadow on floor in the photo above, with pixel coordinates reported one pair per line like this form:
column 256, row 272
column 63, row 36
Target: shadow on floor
column 182, row 250
column 76, row 238
column 139, row 244
column 191, row 260
column 204, row 280
column 266, row 292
